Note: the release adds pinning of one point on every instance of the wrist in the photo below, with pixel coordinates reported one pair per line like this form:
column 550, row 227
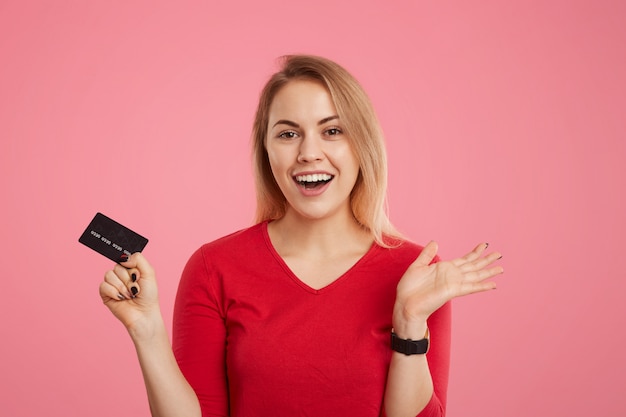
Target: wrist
column 148, row 328
column 413, row 331
column 408, row 326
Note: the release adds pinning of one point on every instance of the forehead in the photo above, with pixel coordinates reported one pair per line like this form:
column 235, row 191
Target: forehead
column 302, row 99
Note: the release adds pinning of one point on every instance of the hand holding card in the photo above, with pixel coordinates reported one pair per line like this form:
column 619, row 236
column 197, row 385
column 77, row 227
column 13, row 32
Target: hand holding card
column 121, row 286
column 129, row 290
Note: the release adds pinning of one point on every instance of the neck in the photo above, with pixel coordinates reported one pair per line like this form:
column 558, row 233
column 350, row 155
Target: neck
column 318, row 237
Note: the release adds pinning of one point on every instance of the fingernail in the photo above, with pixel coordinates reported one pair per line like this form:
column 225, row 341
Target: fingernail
column 120, row 296
column 486, row 245
column 123, row 257
column 134, row 290
column 500, row 257
column 133, row 277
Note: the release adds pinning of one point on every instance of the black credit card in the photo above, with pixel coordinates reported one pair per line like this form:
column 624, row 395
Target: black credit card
column 111, row 239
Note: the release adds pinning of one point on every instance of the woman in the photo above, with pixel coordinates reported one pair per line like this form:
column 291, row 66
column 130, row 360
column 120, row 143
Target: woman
column 321, row 308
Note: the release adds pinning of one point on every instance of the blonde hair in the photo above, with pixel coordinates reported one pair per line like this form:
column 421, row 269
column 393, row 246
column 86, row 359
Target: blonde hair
column 368, row 197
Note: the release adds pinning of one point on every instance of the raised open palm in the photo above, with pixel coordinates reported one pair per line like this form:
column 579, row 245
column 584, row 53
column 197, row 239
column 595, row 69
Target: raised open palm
column 426, row 286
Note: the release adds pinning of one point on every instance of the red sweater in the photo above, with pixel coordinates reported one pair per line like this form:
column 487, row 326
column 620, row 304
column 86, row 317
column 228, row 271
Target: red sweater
column 254, row 340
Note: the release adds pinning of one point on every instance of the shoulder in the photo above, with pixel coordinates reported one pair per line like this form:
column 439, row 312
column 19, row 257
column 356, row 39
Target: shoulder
column 393, row 258
column 236, row 241
column 399, row 251
column 400, row 246
column 403, row 248
column 229, row 248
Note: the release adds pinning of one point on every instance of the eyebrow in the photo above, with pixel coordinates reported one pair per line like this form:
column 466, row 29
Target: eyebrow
column 294, row 124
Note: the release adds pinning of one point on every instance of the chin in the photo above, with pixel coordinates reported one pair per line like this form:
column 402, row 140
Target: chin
column 314, row 214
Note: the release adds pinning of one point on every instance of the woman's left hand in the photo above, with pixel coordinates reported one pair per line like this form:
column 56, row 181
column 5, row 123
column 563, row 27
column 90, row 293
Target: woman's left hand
column 426, row 286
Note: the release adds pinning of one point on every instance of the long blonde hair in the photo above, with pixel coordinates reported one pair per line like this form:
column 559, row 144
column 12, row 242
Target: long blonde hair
column 354, row 108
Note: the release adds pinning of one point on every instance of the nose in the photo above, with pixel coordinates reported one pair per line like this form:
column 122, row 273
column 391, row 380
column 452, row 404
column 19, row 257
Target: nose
column 310, row 150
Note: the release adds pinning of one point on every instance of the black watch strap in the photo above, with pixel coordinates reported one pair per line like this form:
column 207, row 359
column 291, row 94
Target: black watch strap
column 408, row 346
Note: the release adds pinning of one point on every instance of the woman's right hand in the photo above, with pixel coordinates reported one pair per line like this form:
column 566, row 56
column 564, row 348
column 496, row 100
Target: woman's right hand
column 129, row 290
column 169, row 393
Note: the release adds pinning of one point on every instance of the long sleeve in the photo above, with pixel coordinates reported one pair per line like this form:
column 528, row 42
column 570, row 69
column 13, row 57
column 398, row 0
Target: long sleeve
column 439, row 360
column 199, row 337
column 438, row 357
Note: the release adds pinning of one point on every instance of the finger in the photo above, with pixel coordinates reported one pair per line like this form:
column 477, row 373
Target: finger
column 109, row 293
column 427, row 254
column 128, row 277
column 122, row 273
column 471, row 256
column 481, row 263
column 483, row 274
column 138, row 264
column 136, row 267
column 116, row 285
column 476, row 287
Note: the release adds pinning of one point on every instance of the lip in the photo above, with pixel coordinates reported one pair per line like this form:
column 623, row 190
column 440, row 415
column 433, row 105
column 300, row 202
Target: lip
column 312, row 192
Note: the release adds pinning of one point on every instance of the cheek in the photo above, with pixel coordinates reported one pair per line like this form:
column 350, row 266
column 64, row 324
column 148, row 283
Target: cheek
column 277, row 165
column 273, row 166
column 351, row 161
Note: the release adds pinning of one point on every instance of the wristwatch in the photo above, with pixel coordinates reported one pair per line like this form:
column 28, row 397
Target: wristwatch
column 409, row 346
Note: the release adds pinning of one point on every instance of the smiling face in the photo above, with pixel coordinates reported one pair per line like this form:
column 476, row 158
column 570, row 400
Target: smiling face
column 311, row 158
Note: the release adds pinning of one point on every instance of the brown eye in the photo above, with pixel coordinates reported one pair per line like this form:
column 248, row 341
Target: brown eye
column 333, row 131
column 289, row 134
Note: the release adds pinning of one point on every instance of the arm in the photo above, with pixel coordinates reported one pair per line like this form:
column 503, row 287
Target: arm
column 199, row 337
column 135, row 303
column 422, row 291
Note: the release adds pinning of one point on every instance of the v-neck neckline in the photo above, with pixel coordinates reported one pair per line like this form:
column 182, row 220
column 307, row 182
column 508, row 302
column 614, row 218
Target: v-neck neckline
column 337, row 281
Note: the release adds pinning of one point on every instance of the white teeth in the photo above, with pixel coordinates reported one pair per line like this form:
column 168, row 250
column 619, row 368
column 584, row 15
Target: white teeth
column 313, row 177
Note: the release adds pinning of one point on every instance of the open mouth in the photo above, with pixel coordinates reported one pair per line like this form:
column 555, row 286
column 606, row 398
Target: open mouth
column 312, row 181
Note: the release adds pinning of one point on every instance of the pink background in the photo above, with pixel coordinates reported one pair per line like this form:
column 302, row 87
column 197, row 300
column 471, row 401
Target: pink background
column 504, row 122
